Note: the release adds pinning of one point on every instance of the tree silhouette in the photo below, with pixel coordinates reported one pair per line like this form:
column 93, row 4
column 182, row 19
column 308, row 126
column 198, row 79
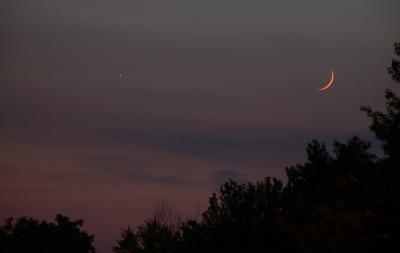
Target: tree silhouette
column 159, row 234
column 241, row 218
column 30, row 235
column 386, row 126
column 394, row 69
column 129, row 242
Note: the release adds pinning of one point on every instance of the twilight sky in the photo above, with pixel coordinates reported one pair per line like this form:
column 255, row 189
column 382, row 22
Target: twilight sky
column 108, row 107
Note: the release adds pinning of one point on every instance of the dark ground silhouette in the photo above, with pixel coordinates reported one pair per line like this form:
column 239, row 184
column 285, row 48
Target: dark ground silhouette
column 30, row 235
column 348, row 201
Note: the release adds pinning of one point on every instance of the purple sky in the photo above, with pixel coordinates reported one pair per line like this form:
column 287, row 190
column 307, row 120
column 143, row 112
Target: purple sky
column 108, row 108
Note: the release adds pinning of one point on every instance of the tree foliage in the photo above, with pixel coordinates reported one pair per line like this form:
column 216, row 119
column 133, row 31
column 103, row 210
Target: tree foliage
column 158, row 234
column 30, row 235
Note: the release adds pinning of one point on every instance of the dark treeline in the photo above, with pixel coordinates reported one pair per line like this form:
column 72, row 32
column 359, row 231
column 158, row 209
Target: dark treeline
column 30, row 235
column 347, row 201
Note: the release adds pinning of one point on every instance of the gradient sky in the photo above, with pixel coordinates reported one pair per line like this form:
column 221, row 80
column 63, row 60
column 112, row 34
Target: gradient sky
column 108, row 107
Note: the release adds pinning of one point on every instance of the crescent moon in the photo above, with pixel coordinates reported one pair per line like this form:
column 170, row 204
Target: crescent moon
column 329, row 84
